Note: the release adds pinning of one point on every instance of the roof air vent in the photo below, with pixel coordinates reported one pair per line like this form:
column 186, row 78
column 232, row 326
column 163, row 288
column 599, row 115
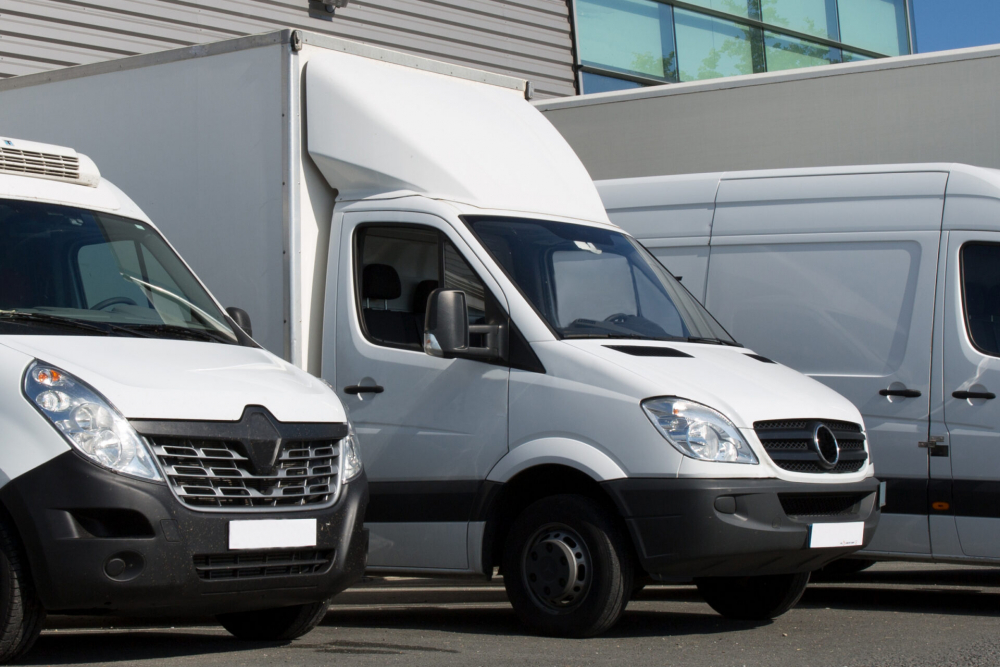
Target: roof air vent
column 26, row 158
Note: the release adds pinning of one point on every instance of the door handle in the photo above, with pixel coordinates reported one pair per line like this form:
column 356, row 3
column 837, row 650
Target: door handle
column 988, row 395
column 905, row 393
column 364, row 389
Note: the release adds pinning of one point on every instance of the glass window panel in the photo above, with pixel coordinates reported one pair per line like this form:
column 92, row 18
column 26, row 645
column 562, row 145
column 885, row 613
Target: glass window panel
column 783, row 52
column 850, row 57
column 709, row 48
column 981, row 287
column 813, row 17
column 595, row 83
column 744, row 8
column 876, row 25
column 627, row 35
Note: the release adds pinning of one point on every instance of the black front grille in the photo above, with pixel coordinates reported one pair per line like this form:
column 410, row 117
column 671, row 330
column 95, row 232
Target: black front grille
column 789, row 443
column 251, row 565
column 830, row 504
column 220, row 474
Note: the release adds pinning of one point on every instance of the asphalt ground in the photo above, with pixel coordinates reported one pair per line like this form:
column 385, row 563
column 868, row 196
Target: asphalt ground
column 889, row 615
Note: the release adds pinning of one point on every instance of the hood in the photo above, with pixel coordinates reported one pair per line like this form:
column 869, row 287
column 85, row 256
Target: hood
column 743, row 388
column 174, row 379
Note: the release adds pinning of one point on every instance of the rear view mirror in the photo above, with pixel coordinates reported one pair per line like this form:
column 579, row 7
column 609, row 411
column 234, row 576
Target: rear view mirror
column 242, row 319
column 446, row 325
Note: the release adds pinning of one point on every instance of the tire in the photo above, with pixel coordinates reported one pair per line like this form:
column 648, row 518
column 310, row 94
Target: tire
column 841, row 568
column 567, row 569
column 281, row 624
column 753, row 598
column 21, row 614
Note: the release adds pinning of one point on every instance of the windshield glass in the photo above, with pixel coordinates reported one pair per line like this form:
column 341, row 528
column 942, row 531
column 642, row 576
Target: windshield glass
column 68, row 268
column 589, row 282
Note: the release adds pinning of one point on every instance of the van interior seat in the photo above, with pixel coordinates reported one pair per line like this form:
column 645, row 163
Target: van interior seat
column 380, row 282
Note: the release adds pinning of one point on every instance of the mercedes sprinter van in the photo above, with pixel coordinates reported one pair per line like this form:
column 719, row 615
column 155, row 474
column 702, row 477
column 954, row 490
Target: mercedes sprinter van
column 155, row 459
column 882, row 282
column 531, row 390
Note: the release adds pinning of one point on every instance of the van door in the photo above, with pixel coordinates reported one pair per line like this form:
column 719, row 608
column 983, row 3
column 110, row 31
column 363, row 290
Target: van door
column 429, row 429
column 834, row 276
column 971, row 387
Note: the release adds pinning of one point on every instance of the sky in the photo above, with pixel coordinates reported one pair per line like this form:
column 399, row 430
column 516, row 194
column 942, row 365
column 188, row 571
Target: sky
column 955, row 24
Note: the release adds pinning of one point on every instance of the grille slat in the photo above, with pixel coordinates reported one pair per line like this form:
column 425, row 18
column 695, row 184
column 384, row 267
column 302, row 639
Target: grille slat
column 250, row 565
column 33, row 163
column 219, row 474
column 789, row 443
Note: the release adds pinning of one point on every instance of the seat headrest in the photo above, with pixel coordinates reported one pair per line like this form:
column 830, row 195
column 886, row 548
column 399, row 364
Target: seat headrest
column 422, row 293
column 380, row 281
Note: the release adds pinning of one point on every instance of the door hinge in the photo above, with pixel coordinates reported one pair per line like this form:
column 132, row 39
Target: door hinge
column 933, row 444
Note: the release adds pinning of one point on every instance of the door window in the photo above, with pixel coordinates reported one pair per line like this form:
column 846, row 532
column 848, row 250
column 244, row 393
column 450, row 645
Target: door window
column 981, row 294
column 399, row 268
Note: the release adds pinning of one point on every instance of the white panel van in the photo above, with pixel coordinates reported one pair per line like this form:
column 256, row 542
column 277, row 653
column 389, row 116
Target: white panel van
column 154, row 459
column 531, row 390
column 882, row 282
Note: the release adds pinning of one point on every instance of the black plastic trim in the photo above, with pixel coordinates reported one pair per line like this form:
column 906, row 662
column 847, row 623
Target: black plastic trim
column 648, row 351
column 244, row 429
column 425, row 501
column 760, row 357
column 522, row 357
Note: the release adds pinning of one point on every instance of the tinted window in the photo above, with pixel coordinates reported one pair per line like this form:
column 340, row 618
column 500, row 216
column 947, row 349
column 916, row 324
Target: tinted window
column 981, row 290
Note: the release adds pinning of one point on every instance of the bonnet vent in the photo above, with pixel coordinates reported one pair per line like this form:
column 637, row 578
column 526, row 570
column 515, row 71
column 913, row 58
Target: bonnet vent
column 25, row 158
column 648, row 351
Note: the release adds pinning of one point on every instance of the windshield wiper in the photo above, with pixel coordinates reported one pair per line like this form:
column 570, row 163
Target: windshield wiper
column 711, row 341
column 192, row 334
column 20, row 316
column 609, row 335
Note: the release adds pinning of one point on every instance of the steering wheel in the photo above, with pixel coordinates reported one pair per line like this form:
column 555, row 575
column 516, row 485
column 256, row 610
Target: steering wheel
column 113, row 301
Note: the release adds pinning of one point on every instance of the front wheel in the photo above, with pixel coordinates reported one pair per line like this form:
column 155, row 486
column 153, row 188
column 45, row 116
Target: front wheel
column 21, row 613
column 753, row 598
column 566, row 567
column 282, row 624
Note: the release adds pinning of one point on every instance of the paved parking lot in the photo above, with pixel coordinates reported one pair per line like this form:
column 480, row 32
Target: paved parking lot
column 892, row 614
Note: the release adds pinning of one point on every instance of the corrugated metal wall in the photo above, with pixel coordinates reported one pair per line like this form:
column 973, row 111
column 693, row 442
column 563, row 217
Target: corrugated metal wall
column 530, row 39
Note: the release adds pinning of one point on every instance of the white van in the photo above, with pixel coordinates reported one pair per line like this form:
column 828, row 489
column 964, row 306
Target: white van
column 156, row 460
column 882, row 282
column 531, row 389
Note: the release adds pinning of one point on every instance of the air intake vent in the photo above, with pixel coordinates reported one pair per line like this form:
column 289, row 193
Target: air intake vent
column 32, row 163
column 814, row 445
column 648, row 351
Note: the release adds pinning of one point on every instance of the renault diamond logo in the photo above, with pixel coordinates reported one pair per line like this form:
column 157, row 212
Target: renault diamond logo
column 826, row 446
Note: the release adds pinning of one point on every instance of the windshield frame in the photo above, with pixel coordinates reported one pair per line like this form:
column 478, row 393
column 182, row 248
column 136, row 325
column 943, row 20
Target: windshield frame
column 214, row 331
column 469, row 221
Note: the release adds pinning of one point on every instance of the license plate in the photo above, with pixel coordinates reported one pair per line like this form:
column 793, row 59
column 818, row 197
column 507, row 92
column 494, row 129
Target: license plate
column 272, row 534
column 825, row 535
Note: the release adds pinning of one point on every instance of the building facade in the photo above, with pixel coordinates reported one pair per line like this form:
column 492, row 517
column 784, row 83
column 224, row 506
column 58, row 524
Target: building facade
column 563, row 47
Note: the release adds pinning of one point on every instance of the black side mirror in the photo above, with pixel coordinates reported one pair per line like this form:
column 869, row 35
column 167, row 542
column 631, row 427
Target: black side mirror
column 242, row 319
column 446, row 324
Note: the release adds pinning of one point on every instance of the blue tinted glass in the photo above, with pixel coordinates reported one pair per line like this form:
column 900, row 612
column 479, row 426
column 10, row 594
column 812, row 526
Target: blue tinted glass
column 876, row 25
column 627, row 35
column 709, row 48
column 744, row 8
column 813, row 17
column 783, row 52
column 595, row 83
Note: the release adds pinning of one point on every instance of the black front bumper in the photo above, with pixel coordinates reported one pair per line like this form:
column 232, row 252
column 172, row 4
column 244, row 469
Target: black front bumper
column 737, row 527
column 76, row 519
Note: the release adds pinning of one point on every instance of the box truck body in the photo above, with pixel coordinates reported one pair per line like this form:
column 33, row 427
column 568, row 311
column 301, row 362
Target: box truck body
column 531, row 389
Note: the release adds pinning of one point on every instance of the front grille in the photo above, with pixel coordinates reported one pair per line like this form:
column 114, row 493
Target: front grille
column 842, row 504
column 219, row 474
column 790, row 445
column 250, row 565
column 34, row 163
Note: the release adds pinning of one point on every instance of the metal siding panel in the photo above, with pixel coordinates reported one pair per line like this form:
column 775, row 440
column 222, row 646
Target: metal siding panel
column 531, row 40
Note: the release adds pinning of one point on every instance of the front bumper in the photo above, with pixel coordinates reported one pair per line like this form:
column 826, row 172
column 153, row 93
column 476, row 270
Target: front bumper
column 76, row 518
column 681, row 528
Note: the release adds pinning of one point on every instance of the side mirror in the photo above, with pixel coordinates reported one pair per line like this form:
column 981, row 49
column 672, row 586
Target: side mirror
column 446, row 325
column 242, row 319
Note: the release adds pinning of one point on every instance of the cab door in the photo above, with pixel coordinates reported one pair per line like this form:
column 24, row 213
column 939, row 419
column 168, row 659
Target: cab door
column 429, row 429
column 971, row 387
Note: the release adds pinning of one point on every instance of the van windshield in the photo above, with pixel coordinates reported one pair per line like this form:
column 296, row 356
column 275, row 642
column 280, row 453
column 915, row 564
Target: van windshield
column 71, row 271
column 589, row 282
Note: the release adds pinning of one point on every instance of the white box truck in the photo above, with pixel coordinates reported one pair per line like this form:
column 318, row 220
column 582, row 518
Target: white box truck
column 882, row 282
column 155, row 460
column 530, row 388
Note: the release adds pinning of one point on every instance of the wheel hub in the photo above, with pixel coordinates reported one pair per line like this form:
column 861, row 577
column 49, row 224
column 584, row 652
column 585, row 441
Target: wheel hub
column 557, row 567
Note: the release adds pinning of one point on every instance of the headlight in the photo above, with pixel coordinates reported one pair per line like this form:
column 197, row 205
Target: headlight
column 698, row 431
column 88, row 422
column 351, row 454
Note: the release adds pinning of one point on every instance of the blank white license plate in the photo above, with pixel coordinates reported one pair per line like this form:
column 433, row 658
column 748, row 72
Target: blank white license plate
column 825, row 535
column 272, row 534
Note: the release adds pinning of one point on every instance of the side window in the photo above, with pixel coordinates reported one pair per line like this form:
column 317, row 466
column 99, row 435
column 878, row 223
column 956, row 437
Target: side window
column 981, row 292
column 399, row 268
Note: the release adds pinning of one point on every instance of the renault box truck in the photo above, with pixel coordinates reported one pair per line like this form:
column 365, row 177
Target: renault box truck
column 882, row 282
column 531, row 390
column 155, row 459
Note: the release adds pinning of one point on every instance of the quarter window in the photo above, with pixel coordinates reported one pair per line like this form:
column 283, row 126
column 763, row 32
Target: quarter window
column 981, row 292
